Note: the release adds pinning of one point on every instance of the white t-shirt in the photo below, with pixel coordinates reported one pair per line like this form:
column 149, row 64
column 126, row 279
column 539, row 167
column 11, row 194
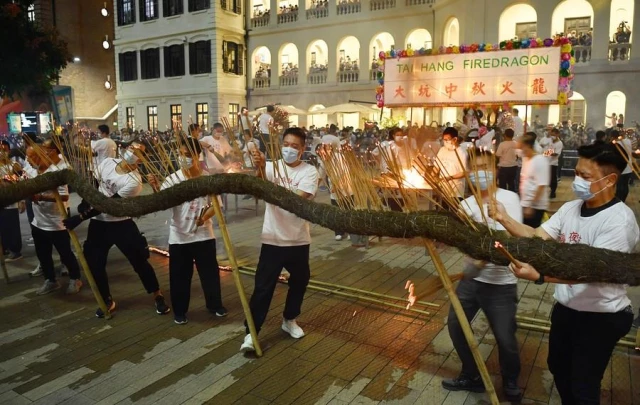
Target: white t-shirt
column 280, row 227
column 626, row 144
column 221, row 146
column 451, row 165
column 491, row 273
column 127, row 185
column 46, row 215
column 332, row 140
column 246, row 153
column 245, row 123
column 545, row 141
column 518, row 126
column 535, row 172
column 183, row 217
column 263, row 123
column 555, row 148
column 614, row 228
column 103, row 148
column 212, row 163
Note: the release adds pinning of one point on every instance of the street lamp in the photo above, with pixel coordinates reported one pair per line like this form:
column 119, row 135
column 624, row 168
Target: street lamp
column 107, row 83
column 104, row 11
column 106, row 44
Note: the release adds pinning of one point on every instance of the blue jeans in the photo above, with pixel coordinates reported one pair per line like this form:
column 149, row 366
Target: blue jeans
column 499, row 304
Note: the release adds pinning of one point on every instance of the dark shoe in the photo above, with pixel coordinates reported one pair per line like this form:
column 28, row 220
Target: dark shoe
column 511, row 391
column 636, row 322
column 12, row 257
column 221, row 312
column 161, row 307
column 111, row 305
column 180, row 319
column 552, row 196
column 464, row 383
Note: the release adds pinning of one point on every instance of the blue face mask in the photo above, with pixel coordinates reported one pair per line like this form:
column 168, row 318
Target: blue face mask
column 289, row 155
column 482, row 180
column 582, row 188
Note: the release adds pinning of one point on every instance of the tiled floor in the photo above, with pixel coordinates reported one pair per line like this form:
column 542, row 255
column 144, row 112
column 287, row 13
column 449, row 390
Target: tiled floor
column 53, row 350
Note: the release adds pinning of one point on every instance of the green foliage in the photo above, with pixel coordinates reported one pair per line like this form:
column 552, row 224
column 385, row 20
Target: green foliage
column 390, row 122
column 32, row 55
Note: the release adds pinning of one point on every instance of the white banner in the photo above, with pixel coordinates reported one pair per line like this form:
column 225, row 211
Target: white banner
column 518, row 76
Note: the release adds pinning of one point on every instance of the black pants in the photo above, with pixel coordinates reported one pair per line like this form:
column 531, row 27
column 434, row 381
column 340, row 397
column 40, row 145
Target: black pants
column 10, row 230
column 44, row 242
column 622, row 187
column 295, row 259
column 499, row 304
column 507, row 178
column 580, row 346
column 535, row 220
column 554, row 180
column 29, row 206
column 181, row 258
column 101, row 236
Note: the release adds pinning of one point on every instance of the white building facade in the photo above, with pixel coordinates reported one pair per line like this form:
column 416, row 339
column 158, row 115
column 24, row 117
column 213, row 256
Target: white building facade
column 178, row 61
column 314, row 53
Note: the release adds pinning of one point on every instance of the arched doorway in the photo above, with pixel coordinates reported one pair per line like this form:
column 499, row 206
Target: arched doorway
column 317, row 61
column 518, row 21
column 348, row 58
column 261, row 67
column 616, row 103
column 451, row 35
column 288, row 64
column 317, row 120
column 419, row 38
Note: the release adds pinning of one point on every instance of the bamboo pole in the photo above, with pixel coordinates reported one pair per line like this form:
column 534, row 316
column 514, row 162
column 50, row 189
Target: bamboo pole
column 462, row 319
column 82, row 259
column 236, row 274
column 3, row 264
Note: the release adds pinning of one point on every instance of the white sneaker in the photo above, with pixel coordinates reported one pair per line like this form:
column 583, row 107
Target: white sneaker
column 292, row 328
column 37, row 272
column 74, row 286
column 47, row 287
column 247, row 346
column 338, row 237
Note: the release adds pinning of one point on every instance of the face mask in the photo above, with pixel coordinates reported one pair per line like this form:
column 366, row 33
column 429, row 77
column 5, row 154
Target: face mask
column 582, row 188
column 482, row 180
column 289, row 155
column 130, row 157
column 186, row 162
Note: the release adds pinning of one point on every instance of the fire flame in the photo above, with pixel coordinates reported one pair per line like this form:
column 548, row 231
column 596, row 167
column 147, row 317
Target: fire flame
column 412, row 179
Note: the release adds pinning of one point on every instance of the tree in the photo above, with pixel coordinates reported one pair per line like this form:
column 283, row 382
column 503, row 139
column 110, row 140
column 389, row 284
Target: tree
column 33, row 54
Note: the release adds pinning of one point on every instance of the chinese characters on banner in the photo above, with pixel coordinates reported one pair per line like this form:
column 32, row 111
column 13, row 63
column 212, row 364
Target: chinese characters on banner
column 524, row 76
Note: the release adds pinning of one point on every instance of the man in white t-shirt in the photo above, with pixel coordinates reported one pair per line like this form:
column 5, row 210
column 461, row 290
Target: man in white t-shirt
column 191, row 240
column 622, row 188
column 217, row 145
column 588, row 319
column 47, row 228
column 103, row 148
column 285, row 237
column 397, row 150
column 553, row 151
column 265, row 123
column 518, row 124
column 120, row 178
column 490, row 288
column 331, row 138
column 244, row 121
column 534, row 181
column 452, row 162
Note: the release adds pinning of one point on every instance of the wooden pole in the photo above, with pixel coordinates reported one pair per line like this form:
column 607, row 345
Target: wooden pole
column 83, row 261
column 3, row 264
column 236, row 274
column 462, row 319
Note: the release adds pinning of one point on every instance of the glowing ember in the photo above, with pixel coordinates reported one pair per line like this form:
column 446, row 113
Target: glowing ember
column 412, row 298
column 412, row 179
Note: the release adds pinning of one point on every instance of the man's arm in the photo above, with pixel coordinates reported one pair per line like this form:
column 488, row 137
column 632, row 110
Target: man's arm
column 515, row 228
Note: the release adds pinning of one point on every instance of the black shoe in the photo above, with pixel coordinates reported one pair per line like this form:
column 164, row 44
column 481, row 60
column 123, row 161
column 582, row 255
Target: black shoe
column 552, row 196
column 220, row 312
column 111, row 306
column 511, row 390
column 464, row 383
column 161, row 307
column 180, row 319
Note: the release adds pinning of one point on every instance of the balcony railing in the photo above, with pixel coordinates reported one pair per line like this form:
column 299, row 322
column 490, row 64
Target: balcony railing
column 619, row 52
column 317, row 77
column 289, row 80
column 382, row 4
column 582, row 53
column 373, row 74
column 261, row 21
column 261, row 83
column 348, row 76
column 319, row 12
column 288, row 17
column 420, row 2
column 348, row 8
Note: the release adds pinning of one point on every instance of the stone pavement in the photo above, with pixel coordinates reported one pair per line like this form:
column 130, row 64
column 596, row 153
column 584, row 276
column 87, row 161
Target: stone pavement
column 54, row 351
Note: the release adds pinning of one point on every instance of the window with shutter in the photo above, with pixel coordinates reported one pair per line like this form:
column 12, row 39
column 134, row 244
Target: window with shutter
column 174, row 60
column 240, row 60
column 128, row 66
column 225, row 57
column 197, row 5
column 126, row 12
column 200, row 57
column 148, row 10
column 172, row 7
column 237, row 6
column 150, row 63
column 223, row 4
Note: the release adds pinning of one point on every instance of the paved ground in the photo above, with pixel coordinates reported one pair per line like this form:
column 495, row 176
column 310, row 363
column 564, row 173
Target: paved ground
column 53, row 350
